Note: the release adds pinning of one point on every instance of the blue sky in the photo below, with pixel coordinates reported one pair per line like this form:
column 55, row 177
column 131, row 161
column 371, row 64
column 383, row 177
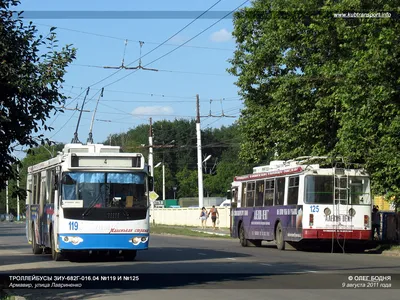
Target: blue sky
column 199, row 67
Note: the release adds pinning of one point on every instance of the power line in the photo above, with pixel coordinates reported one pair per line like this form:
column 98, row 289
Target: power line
column 168, row 71
column 157, row 101
column 159, row 45
column 135, row 41
column 173, row 50
column 191, row 98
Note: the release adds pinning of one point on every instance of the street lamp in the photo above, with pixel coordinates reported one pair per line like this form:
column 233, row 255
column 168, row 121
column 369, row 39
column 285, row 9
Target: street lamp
column 205, row 167
column 163, row 176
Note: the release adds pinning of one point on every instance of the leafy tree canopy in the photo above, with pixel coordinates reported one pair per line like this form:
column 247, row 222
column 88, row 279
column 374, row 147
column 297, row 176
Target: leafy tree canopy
column 29, row 84
column 318, row 84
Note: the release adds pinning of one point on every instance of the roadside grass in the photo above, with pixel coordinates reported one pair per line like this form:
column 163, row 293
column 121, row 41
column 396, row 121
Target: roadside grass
column 4, row 296
column 187, row 231
column 387, row 248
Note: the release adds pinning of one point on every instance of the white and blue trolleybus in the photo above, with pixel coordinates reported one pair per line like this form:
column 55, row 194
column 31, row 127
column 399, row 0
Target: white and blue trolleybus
column 89, row 198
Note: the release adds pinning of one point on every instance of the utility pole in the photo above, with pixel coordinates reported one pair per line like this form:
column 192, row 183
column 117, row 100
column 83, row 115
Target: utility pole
column 199, row 160
column 151, row 164
column 7, row 211
column 17, row 193
column 163, row 181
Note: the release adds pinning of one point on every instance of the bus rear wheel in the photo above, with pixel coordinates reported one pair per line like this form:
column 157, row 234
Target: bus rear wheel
column 35, row 247
column 280, row 243
column 242, row 236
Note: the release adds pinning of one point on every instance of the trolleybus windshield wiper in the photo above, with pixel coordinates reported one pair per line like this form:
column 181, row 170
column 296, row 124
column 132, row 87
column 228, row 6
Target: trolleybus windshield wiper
column 92, row 204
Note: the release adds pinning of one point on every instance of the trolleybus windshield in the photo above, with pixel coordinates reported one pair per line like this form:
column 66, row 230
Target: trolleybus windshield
column 105, row 189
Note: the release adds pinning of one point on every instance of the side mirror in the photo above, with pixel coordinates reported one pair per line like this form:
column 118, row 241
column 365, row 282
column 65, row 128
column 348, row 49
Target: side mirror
column 151, row 183
column 228, row 195
column 56, row 182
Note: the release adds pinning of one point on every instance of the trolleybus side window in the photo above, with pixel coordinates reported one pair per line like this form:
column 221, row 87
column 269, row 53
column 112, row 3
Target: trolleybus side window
column 280, row 191
column 244, row 200
column 52, row 185
column 319, row 189
column 293, row 190
column 36, row 188
column 269, row 192
column 260, row 193
column 250, row 194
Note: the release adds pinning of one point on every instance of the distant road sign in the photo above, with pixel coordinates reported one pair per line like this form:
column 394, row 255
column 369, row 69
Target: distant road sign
column 153, row 196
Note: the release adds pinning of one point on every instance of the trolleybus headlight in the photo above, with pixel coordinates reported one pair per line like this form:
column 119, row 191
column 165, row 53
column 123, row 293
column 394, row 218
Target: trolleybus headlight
column 327, row 211
column 352, row 212
column 144, row 238
column 136, row 240
column 66, row 239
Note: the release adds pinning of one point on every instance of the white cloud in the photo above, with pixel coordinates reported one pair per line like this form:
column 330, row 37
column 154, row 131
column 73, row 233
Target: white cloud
column 221, row 36
column 153, row 110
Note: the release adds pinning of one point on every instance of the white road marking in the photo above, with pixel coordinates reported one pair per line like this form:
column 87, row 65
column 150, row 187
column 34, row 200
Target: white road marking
column 266, row 264
column 202, row 254
column 231, row 258
column 178, row 249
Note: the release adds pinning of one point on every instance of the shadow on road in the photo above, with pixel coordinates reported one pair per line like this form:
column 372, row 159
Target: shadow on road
column 164, row 254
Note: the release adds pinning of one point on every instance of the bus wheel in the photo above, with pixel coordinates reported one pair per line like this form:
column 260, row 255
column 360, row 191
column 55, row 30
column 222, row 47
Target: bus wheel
column 129, row 255
column 54, row 254
column 280, row 243
column 242, row 238
column 35, row 247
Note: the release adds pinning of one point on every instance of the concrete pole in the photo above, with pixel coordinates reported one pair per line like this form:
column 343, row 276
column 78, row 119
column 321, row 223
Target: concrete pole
column 17, row 194
column 163, row 181
column 199, row 159
column 7, row 209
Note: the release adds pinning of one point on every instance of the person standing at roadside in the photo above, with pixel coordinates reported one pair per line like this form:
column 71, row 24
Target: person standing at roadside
column 214, row 215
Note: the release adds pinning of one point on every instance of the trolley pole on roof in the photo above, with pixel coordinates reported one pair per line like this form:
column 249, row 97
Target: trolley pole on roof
column 90, row 139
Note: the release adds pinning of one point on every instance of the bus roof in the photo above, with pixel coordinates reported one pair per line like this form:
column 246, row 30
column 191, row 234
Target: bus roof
column 299, row 165
column 90, row 150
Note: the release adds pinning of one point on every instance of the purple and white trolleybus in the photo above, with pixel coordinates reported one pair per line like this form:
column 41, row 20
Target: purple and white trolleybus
column 301, row 202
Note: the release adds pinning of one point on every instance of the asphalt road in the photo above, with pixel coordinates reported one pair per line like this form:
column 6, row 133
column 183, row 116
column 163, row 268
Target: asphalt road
column 187, row 268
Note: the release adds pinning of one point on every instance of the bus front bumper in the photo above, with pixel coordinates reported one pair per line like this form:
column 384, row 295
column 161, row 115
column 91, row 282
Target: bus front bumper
column 103, row 241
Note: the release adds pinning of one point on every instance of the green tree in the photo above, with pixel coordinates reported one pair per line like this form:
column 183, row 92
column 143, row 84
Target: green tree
column 29, row 85
column 35, row 156
column 187, row 183
column 316, row 84
column 158, row 182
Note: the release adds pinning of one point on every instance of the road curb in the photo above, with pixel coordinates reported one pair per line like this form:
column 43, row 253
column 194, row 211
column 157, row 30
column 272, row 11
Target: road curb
column 213, row 233
column 192, row 237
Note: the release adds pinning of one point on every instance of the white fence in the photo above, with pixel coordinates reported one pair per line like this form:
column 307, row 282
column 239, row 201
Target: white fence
column 187, row 216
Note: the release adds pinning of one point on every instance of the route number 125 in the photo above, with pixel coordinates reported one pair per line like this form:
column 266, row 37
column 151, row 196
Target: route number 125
column 314, row 208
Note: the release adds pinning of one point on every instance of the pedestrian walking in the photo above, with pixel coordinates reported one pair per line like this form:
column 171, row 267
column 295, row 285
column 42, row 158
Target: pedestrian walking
column 214, row 215
column 203, row 217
